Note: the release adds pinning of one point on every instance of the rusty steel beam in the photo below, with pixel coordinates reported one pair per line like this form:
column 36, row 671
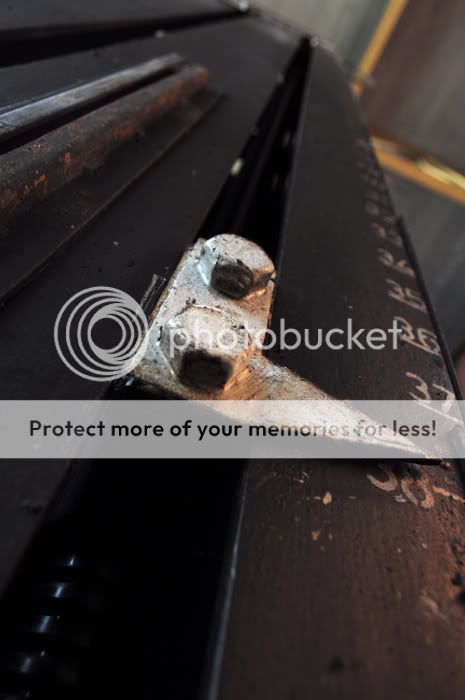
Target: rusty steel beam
column 32, row 172
column 21, row 119
column 34, row 239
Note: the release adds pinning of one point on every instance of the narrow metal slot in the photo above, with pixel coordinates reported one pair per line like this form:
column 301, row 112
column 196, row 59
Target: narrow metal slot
column 253, row 200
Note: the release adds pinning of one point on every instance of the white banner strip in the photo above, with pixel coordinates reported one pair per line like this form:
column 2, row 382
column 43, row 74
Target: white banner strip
column 409, row 430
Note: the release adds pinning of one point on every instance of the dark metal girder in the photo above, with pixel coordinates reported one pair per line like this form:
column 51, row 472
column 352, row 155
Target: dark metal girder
column 152, row 222
column 39, row 18
column 17, row 120
column 343, row 577
column 32, row 172
column 106, row 151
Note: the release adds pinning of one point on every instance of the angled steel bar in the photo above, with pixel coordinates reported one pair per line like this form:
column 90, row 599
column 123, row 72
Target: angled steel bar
column 32, row 172
column 20, row 119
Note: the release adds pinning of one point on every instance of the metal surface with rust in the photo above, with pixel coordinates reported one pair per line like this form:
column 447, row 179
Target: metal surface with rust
column 30, row 173
column 152, row 222
column 17, row 120
column 348, row 578
column 38, row 235
column 342, row 580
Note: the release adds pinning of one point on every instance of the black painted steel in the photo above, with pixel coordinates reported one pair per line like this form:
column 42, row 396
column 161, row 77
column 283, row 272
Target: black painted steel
column 152, row 222
column 349, row 579
column 40, row 18
column 339, row 579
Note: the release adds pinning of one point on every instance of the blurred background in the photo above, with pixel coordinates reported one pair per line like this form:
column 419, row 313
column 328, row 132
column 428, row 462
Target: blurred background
column 406, row 61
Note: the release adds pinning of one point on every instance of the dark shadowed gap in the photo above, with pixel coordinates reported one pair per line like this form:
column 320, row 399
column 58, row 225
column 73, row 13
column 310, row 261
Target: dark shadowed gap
column 253, row 200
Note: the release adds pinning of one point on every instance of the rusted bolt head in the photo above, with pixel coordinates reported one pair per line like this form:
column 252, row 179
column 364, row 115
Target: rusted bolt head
column 206, row 347
column 235, row 266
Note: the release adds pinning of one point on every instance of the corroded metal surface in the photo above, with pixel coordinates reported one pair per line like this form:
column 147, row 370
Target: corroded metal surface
column 17, row 120
column 34, row 238
column 30, row 173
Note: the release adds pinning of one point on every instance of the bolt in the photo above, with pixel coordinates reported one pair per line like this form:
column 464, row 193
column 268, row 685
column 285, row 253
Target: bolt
column 235, row 266
column 206, row 347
